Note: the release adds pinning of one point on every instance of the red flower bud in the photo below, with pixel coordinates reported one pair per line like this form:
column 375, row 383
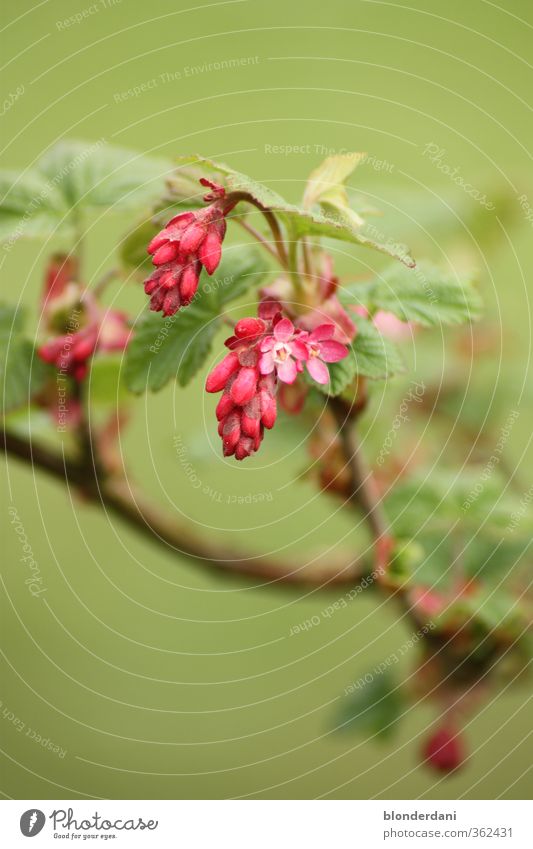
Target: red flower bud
column 210, row 251
column 219, row 376
column 244, row 386
column 444, row 750
column 188, row 242
column 249, row 328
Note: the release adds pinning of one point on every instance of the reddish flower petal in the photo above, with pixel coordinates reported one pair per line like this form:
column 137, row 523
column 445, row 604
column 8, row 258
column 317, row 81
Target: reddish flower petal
column 284, row 330
column 299, row 349
column 287, row 371
column 266, row 363
column 332, row 352
column 323, row 331
column 267, row 344
column 318, row 370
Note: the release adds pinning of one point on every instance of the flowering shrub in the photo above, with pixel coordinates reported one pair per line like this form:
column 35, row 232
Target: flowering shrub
column 312, row 349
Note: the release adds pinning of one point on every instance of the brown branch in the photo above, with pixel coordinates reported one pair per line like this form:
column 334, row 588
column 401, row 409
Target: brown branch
column 362, row 489
column 115, row 495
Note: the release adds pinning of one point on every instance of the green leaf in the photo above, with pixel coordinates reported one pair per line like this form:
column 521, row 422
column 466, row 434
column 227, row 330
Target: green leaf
column 299, row 221
column 76, row 175
column 425, row 295
column 326, row 189
column 372, row 707
column 375, row 356
column 30, row 206
column 22, row 373
column 174, row 347
column 133, row 253
column 95, row 174
column 240, row 269
column 105, row 384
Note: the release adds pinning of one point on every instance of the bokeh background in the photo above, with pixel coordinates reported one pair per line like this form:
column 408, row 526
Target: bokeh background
column 157, row 677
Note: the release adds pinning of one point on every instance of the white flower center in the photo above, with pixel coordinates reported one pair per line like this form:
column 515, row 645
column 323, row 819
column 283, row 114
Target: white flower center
column 281, row 352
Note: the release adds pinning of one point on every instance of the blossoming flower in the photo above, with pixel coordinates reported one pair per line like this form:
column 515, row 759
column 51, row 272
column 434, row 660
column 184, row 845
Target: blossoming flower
column 263, row 351
column 248, row 402
column 76, row 324
column 188, row 242
column 322, row 349
column 283, row 352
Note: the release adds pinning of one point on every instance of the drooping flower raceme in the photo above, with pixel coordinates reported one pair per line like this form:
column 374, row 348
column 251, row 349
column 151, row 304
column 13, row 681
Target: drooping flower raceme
column 77, row 325
column 263, row 352
column 188, row 242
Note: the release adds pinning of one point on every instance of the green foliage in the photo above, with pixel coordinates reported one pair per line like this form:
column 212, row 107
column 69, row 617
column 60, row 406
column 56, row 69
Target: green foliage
column 299, row 221
column 461, row 525
column 133, row 254
column 105, row 384
column 325, row 188
column 177, row 346
column 373, row 708
column 72, row 177
column 424, row 294
column 22, row 374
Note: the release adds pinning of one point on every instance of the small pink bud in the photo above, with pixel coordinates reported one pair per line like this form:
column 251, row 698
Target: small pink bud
column 269, row 410
column 210, row 251
column 157, row 242
column 171, row 302
column 231, row 432
column 192, row 239
column 189, row 283
column 224, row 406
column 219, row 376
column 444, row 750
column 243, row 389
column 245, row 447
column 249, row 327
column 250, row 426
column 166, row 253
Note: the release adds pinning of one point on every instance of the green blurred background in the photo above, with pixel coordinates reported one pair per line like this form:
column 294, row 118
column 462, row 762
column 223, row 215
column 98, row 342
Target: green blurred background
column 158, row 678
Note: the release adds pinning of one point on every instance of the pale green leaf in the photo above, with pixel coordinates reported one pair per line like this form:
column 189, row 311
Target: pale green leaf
column 299, row 221
column 424, row 294
column 30, row 206
column 325, row 188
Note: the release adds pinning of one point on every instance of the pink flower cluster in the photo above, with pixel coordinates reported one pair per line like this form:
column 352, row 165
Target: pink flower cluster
column 77, row 325
column 263, row 351
column 188, row 242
